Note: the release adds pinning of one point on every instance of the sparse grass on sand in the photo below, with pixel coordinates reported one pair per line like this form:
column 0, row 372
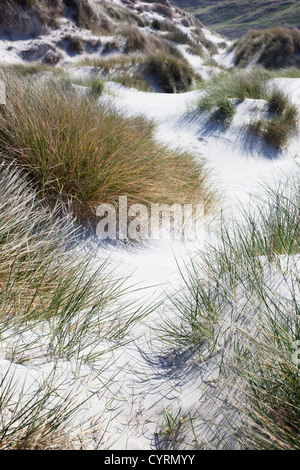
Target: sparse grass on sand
column 229, row 86
column 56, row 308
column 233, row 85
column 170, row 73
column 282, row 122
column 83, row 154
column 241, row 306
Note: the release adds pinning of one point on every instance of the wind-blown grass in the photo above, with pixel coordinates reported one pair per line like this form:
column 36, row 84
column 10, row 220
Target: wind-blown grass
column 83, row 153
column 56, row 308
column 241, row 305
column 233, row 85
column 42, row 275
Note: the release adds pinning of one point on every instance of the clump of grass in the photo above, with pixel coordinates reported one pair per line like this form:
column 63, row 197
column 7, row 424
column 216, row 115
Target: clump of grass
column 125, row 69
column 283, row 119
column 238, row 85
column 270, row 415
column 76, row 150
column 110, row 64
column 130, row 80
column 278, row 102
column 195, row 49
column 163, row 9
column 171, row 74
column 283, row 122
column 36, row 258
column 123, row 15
column 224, row 111
column 268, row 230
column 275, row 48
column 74, row 43
column 221, row 89
column 35, row 17
column 178, row 36
column 138, row 41
column 163, row 25
column 277, row 130
column 110, row 46
column 199, row 37
column 88, row 15
column 171, row 432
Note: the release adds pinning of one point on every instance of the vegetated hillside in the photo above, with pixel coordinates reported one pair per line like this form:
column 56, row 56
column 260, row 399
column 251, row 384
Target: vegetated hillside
column 143, row 44
column 272, row 48
column 235, row 18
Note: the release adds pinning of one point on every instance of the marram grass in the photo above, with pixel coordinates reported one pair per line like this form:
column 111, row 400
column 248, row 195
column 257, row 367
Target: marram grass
column 240, row 312
column 57, row 308
column 84, row 153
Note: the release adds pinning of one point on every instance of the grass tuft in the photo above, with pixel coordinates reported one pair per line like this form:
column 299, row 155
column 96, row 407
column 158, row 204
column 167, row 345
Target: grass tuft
column 283, row 122
column 83, row 154
column 171, row 74
column 224, row 111
column 272, row 48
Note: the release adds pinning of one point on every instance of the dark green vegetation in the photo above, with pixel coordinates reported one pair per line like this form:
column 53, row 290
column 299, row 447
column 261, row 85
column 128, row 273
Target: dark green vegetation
column 235, row 18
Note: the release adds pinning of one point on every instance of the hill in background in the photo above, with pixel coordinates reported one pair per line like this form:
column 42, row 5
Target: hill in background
column 234, row 18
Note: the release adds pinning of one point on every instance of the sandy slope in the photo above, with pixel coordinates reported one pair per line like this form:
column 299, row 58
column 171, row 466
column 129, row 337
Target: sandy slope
column 141, row 378
column 239, row 165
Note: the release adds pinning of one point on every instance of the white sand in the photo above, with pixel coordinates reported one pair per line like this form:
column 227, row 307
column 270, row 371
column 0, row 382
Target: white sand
column 140, row 380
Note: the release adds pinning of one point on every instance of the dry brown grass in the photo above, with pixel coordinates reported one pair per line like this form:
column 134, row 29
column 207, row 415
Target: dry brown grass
column 172, row 74
column 34, row 17
column 275, row 48
column 138, row 41
column 75, row 150
column 29, row 17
